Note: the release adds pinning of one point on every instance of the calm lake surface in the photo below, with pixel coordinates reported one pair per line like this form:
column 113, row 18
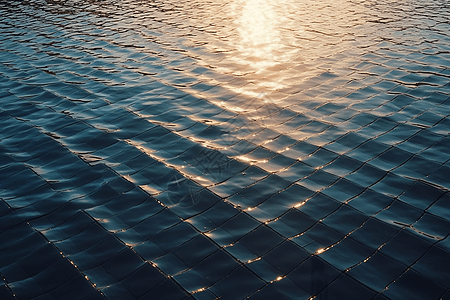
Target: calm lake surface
column 225, row 149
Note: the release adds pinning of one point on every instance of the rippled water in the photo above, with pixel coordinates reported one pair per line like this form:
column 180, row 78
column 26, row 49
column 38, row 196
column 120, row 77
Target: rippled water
column 225, row 149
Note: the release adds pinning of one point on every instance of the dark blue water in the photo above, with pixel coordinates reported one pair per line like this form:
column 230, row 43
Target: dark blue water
column 225, row 149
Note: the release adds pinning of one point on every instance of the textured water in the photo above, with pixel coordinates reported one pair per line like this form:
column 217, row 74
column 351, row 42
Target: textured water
column 225, row 149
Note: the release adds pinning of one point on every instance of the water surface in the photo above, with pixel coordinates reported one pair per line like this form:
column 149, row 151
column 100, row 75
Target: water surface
column 224, row 149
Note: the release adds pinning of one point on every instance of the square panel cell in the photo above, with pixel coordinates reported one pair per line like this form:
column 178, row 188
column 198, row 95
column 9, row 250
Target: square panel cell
column 287, row 287
column 370, row 202
column 300, row 150
column 259, row 154
column 378, row 271
column 98, row 254
column 345, row 287
column 117, row 291
column 343, row 165
column 174, row 236
column 294, row 123
column 421, row 195
column 313, row 275
column 365, row 120
column 263, row 136
column 313, row 128
column 257, row 193
column 374, row 233
column 89, row 236
column 427, row 119
column 443, row 127
column 219, row 213
column 100, row 277
column 345, row 113
column 76, row 288
column 392, row 185
column 167, row 289
column 368, row 150
column 269, row 210
column 399, row 134
column 329, row 135
column 281, row 143
column 190, row 203
column 343, row 190
column 276, row 163
column 441, row 207
column 417, row 167
column 400, row 213
column 140, row 162
column 272, row 184
column 149, row 250
column 191, row 280
column 446, row 295
column 413, row 285
column 264, row 270
column 123, row 264
column 155, row 224
column 293, row 195
column 320, row 158
column 433, row 226
column 345, row 220
column 420, row 141
column 436, row 98
column 241, row 253
column 319, row 206
column 238, row 226
column 346, row 254
column 268, row 292
column 440, row 177
column 366, row 176
column 402, row 101
column 292, row 223
column 406, row 247
column 261, row 240
column 318, row 180
column 139, row 212
column 243, row 281
column 329, row 108
column 195, row 250
column 216, row 266
column 26, row 289
column 56, row 275
column 295, row 172
column 286, row 256
column 127, row 200
column 392, row 158
column 318, row 238
column 170, row 264
column 435, row 265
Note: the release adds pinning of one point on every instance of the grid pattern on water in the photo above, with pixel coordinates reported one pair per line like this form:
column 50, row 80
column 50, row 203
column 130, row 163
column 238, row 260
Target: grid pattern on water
column 131, row 168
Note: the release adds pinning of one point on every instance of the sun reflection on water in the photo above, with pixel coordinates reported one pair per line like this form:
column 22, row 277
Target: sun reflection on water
column 264, row 42
column 258, row 32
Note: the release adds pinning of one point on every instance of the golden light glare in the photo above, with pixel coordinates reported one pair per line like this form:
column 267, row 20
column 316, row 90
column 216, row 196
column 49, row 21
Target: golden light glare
column 263, row 43
column 258, row 32
column 299, row 204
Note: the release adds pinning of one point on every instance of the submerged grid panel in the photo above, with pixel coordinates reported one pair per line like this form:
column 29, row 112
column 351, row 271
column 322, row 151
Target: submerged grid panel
column 175, row 151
